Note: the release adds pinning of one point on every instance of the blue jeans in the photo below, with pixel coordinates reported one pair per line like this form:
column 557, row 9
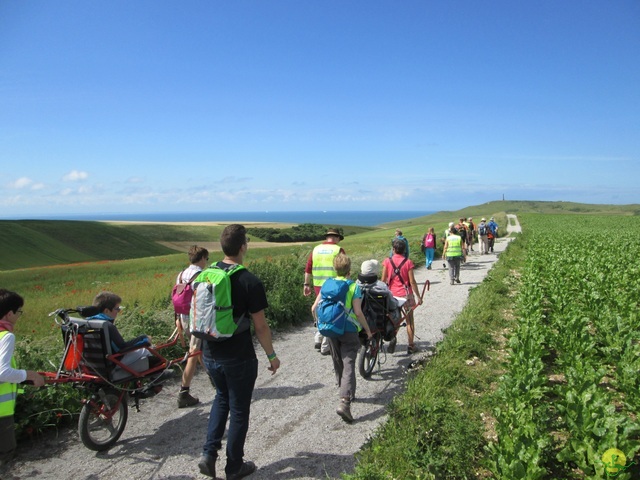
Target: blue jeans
column 234, row 380
column 429, row 254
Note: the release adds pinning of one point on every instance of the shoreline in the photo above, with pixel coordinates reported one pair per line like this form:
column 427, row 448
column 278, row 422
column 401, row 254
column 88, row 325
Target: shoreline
column 195, row 224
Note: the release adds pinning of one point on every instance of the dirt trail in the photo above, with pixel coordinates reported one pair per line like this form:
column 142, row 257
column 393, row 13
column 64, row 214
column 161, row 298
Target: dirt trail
column 294, row 432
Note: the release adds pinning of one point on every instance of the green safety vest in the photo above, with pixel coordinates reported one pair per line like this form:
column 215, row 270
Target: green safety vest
column 454, row 246
column 322, row 262
column 8, row 391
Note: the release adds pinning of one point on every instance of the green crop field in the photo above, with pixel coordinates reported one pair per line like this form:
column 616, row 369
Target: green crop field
column 555, row 392
column 571, row 389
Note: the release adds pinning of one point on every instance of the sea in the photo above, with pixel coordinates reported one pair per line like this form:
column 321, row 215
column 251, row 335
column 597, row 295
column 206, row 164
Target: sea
column 335, row 218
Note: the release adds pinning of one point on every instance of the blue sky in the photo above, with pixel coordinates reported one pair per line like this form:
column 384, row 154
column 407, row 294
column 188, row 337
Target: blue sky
column 154, row 106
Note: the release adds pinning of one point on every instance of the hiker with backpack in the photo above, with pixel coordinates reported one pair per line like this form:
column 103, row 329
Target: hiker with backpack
column 429, row 246
column 236, row 298
column 461, row 228
column 319, row 268
column 483, row 232
column 338, row 314
column 397, row 272
column 493, row 232
column 181, row 297
column 471, row 232
column 399, row 236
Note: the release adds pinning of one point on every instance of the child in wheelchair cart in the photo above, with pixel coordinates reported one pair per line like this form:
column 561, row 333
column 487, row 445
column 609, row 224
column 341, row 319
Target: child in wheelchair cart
column 380, row 307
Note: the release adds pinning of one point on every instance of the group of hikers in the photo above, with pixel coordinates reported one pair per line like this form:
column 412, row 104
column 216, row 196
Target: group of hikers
column 228, row 354
column 458, row 241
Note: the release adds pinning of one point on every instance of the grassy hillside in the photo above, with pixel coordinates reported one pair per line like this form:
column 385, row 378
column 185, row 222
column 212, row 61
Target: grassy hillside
column 34, row 243
column 499, row 208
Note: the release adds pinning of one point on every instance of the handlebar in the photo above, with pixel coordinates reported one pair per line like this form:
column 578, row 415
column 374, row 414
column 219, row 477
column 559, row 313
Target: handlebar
column 84, row 311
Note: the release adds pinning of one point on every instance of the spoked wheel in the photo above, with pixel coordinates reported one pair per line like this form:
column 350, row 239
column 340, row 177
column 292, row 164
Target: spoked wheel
column 368, row 356
column 103, row 418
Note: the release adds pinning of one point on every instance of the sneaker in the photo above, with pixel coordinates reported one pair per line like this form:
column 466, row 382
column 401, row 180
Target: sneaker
column 344, row 410
column 451, row 282
column 207, row 466
column 186, row 400
column 444, row 265
column 457, row 280
column 246, row 469
column 429, row 267
column 392, row 345
column 317, row 345
column 412, row 349
column 325, row 352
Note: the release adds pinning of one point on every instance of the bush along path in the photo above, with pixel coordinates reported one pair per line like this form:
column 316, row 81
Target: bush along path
column 294, row 433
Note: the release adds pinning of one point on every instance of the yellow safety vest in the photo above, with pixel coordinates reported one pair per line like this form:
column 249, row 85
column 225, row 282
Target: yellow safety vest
column 454, row 246
column 322, row 262
column 8, row 391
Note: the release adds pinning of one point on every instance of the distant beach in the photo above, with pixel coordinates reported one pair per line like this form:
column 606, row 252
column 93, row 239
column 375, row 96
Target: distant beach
column 354, row 218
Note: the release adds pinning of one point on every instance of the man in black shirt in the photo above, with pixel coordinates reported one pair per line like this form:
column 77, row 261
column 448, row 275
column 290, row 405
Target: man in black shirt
column 232, row 363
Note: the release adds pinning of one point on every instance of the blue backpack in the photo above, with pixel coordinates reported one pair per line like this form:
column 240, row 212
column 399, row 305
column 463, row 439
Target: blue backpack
column 331, row 312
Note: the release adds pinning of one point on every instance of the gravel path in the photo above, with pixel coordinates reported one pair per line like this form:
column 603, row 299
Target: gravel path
column 294, row 432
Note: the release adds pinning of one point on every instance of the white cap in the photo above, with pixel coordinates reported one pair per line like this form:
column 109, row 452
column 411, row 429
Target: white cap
column 370, row 267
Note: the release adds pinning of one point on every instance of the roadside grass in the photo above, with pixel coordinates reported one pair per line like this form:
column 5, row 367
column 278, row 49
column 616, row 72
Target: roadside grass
column 439, row 427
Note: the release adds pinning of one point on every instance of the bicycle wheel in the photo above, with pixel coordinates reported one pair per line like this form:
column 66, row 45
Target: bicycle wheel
column 102, row 419
column 368, row 355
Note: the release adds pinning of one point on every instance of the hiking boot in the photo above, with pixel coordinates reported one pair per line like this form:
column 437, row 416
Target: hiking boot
column 317, row 345
column 207, row 466
column 344, row 410
column 186, row 400
column 247, row 468
column 392, row 345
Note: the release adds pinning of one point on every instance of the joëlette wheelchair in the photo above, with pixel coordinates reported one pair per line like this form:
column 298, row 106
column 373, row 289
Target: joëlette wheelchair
column 110, row 380
column 384, row 324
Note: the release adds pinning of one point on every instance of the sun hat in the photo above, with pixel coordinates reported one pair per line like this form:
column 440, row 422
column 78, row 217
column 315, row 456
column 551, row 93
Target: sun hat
column 451, row 224
column 370, row 267
column 484, row 219
column 334, row 232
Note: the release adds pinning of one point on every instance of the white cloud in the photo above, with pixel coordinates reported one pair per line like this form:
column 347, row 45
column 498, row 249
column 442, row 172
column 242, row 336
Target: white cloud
column 22, row 182
column 75, row 175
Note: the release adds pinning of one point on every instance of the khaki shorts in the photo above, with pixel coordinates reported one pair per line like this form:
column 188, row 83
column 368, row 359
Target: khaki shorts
column 194, row 343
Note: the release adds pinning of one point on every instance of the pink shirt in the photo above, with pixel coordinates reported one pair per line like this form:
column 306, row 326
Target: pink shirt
column 395, row 284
